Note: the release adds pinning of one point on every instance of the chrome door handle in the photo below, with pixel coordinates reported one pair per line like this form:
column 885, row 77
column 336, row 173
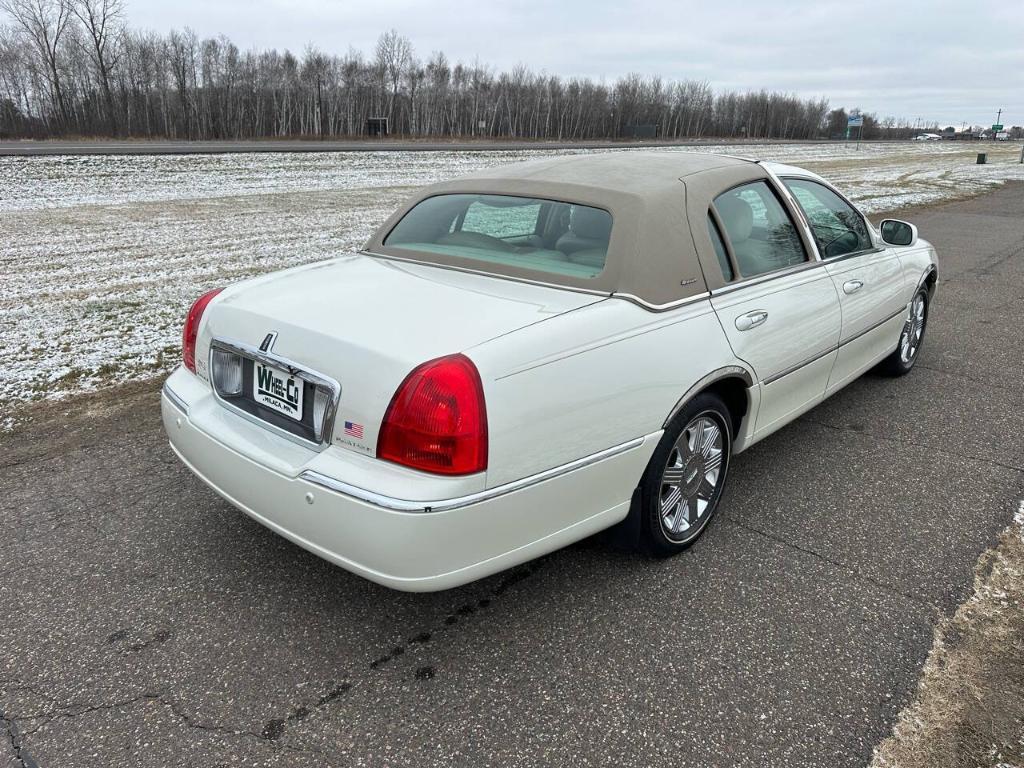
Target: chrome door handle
column 751, row 320
column 852, row 286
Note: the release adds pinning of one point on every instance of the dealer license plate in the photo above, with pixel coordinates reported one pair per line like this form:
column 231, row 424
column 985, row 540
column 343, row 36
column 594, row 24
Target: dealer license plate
column 277, row 389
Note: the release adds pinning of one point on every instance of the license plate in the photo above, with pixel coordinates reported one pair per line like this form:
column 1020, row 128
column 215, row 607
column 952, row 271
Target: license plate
column 278, row 390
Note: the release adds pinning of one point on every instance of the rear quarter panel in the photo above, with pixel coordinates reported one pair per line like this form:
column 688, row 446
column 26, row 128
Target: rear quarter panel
column 591, row 379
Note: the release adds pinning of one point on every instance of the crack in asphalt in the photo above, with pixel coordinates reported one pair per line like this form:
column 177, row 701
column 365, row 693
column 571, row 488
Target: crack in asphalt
column 275, row 728
column 14, row 738
column 897, row 441
column 159, row 698
column 962, row 377
column 988, row 268
column 853, row 571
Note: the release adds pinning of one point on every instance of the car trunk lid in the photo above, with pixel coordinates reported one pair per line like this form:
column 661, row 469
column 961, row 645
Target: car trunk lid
column 366, row 322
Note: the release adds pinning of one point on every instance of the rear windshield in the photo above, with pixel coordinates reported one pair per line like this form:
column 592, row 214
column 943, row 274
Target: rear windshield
column 526, row 232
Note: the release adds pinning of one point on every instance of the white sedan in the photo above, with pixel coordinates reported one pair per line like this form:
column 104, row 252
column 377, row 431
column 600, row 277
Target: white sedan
column 526, row 356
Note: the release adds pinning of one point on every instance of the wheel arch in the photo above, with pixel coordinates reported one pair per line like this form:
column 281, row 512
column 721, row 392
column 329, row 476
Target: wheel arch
column 929, row 280
column 732, row 384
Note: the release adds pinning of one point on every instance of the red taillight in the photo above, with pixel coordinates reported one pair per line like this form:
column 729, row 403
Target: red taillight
column 188, row 336
column 437, row 421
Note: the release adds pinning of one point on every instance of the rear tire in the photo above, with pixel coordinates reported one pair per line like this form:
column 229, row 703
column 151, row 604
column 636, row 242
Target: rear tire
column 902, row 359
column 682, row 485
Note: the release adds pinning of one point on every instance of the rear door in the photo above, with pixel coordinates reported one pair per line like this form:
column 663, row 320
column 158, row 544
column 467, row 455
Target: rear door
column 779, row 307
column 868, row 278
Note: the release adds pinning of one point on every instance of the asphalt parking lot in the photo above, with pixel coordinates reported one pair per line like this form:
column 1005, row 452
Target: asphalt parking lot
column 147, row 623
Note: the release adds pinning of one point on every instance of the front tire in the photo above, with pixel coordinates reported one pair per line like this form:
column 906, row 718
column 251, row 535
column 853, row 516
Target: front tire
column 902, row 359
column 682, row 485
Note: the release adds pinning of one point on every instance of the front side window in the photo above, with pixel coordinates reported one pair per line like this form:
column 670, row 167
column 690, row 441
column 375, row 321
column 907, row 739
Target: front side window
column 761, row 233
column 530, row 233
column 838, row 228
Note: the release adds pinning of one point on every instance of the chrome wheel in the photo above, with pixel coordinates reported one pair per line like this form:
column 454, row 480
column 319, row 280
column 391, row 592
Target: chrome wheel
column 691, row 477
column 913, row 329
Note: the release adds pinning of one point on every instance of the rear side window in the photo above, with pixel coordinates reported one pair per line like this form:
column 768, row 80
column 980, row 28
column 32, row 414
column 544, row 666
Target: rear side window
column 838, row 228
column 723, row 257
column 530, row 233
column 760, row 231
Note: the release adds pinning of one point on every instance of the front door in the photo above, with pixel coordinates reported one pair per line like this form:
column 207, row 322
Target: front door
column 868, row 279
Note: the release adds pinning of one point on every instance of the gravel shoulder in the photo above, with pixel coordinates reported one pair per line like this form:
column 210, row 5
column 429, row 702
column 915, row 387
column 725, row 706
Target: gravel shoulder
column 969, row 708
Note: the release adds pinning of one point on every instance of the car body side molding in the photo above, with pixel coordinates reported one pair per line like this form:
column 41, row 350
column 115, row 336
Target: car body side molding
column 443, row 505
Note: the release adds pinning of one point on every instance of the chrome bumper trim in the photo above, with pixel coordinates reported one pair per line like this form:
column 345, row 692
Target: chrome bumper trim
column 176, row 401
column 444, row 505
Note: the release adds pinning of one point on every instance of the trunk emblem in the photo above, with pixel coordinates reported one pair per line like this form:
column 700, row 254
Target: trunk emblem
column 268, row 341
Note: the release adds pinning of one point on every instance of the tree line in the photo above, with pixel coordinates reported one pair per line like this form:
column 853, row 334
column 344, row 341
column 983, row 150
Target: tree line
column 75, row 68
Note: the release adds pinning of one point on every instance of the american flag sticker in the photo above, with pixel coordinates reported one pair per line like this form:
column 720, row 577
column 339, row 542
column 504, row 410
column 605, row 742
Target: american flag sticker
column 354, row 430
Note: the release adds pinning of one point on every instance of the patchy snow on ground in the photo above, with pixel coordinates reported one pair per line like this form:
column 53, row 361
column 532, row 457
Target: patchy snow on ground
column 969, row 707
column 100, row 256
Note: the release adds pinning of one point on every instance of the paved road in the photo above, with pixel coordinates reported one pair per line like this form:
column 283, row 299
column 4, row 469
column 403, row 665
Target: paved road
column 146, row 623
column 114, row 147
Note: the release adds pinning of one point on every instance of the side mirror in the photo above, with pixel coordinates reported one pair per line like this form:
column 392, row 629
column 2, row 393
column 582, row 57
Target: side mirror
column 896, row 232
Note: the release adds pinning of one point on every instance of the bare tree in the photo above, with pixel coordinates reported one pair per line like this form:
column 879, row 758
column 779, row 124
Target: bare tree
column 394, row 52
column 72, row 67
column 44, row 22
column 103, row 21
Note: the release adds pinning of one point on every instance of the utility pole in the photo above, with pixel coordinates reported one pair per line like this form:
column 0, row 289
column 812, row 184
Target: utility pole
column 999, row 115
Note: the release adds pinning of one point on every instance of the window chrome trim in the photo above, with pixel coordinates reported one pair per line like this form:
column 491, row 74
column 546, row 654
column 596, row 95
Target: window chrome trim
column 661, row 307
column 445, row 505
column 175, row 399
column 767, row 277
column 796, row 212
column 794, row 205
column 853, row 254
column 295, row 369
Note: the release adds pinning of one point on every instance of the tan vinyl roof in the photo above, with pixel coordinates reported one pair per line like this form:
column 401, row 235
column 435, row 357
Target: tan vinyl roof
column 641, row 173
column 658, row 202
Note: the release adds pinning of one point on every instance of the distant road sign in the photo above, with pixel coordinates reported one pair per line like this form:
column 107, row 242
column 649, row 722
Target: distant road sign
column 855, row 121
column 997, row 127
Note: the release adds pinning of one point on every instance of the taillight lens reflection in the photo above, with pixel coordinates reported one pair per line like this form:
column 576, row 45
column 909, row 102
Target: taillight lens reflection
column 191, row 330
column 437, row 420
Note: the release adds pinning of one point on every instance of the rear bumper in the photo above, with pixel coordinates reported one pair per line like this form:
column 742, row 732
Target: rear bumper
column 458, row 541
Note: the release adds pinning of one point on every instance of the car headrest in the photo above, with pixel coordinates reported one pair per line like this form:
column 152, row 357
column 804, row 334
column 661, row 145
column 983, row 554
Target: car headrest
column 590, row 223
column 737, row 216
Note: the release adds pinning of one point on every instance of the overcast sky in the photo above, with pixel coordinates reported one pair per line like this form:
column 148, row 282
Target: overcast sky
column 944, row 61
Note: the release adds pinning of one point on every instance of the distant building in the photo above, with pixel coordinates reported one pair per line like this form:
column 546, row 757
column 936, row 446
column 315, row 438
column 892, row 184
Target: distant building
column 645, row 131
column 377, row 126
